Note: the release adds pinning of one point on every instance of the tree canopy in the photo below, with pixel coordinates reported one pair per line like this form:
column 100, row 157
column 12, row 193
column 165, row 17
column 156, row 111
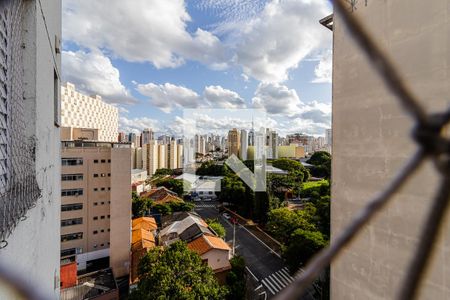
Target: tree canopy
column 217, row 227
column 140, row 206
column 176, row 273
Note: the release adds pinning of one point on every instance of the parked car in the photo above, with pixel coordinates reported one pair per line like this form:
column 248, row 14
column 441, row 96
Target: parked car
column 226, row 216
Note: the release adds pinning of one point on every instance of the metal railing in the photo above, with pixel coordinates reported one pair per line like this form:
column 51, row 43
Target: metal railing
column 432, row 144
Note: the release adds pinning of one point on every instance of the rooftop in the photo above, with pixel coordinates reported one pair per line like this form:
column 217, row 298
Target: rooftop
column 206, row 243
column 91, row 286
column 93, row 144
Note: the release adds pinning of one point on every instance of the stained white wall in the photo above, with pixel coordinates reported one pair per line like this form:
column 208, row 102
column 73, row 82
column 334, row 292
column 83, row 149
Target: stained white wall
column 34, row 247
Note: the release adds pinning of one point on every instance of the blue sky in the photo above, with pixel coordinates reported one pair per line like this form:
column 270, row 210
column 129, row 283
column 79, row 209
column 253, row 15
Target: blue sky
column 154, row 58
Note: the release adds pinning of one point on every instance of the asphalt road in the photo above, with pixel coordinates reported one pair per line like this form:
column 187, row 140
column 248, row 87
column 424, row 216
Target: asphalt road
column 266, row 267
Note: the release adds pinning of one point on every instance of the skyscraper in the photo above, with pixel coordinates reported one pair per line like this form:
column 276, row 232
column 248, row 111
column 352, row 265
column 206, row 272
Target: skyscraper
column 234, row 142
column 244, row 145
column 147, row 136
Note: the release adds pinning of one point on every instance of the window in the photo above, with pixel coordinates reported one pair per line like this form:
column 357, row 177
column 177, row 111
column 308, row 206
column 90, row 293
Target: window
column 109, row 216
column 71, row 236
column 95, row 246
column 103, row 230
column 71, row 161
column 95, row 203
column 95, row 175
column 95, row 232
column 71, row 177
column 71, row 192
column 70, row 222
column 70, row 207
column 109, row 230
column 109, row 174
column 109, row 160
column 95, row 218
column 109, row 188
column 103, row 203
column 95, row 161
column 108, row 243
column 95, row 189
column 102, row 245
column 102, row 217
column 103, row 161
column 103, row 174
column 102, row 188
column 71, row 251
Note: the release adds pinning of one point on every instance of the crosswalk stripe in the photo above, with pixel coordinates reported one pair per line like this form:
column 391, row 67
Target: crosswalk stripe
column 268, row 285
column 279, row 280
column 275, row 283
column 285, row 272
column 282, row 276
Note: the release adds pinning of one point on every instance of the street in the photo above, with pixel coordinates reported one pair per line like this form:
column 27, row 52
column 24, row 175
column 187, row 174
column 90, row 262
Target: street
column 266, row 267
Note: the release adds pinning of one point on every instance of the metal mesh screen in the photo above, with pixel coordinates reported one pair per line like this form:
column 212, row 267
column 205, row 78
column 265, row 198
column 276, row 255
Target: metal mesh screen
column 18, row 186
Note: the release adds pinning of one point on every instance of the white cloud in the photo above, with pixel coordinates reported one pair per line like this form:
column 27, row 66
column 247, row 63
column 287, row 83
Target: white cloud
column 140, row 31
column 280, row 101
column 136, row 125
column 324, row 68
column 218, row 97
column 93, row 73
column 277, row 99
column 168, row 96
column 278, row 39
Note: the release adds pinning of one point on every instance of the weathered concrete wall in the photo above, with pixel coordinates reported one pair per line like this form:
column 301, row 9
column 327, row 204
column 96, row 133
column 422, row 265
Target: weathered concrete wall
column 371, row 141
column 33, row 247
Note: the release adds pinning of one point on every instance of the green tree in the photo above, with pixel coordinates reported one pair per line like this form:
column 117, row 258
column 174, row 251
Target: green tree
column 303, row 244
column 140, row 206
column 176, row 273
column 282, row 222
column 217, row 227
column 211, row 168
column 175, row 185
column 236, row 281
column 319, row 158
column 162, row 172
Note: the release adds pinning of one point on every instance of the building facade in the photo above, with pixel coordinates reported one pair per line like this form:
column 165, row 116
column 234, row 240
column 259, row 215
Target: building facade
column 234, row 142
column 96, row 204
column 30, row 61
column 89, row 112
column 372, row 141
column 244, row 145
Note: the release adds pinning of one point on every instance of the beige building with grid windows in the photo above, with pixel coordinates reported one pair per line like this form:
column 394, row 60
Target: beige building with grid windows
column 96, row 204
column 89, row 112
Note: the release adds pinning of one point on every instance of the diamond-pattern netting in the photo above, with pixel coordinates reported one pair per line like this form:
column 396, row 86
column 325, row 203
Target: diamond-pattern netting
column 18, row 186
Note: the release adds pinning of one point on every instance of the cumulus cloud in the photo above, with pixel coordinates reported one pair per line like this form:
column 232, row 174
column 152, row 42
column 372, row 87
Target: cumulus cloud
column 280, row 101
column 323, row 70
column 218, row 97
column 136, row 125
column 93, row 73
column 139, row 31
column 168, row 96
column 279, row 38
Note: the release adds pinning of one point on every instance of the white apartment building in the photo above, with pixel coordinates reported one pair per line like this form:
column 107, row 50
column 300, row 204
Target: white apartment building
column 244, row 145
column 89, row 112
column 30, row 61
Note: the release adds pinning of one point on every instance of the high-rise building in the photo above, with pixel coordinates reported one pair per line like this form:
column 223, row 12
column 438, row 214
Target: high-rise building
column 271, row 144
column 328, row 137
column 244, row 145
column 162, row 156
column 134, row 139
column 234, row 142
column 372, row 142
column 30, row 63
column 123, row 137
column 96, row 205
column 180, row 153
column 172, row 155
column 89, row 112
column 150, row 157
column 147, row 136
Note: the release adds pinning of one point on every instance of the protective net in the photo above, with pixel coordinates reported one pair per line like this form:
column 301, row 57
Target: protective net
column 19, row 190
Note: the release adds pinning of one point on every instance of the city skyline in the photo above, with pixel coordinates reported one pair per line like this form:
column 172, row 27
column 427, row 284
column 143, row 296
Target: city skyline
column 151, row 87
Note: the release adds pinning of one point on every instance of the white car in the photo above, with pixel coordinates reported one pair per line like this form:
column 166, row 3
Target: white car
column 226, row 216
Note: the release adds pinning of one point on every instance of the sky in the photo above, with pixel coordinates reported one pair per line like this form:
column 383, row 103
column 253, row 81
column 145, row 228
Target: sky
column 155, row 58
